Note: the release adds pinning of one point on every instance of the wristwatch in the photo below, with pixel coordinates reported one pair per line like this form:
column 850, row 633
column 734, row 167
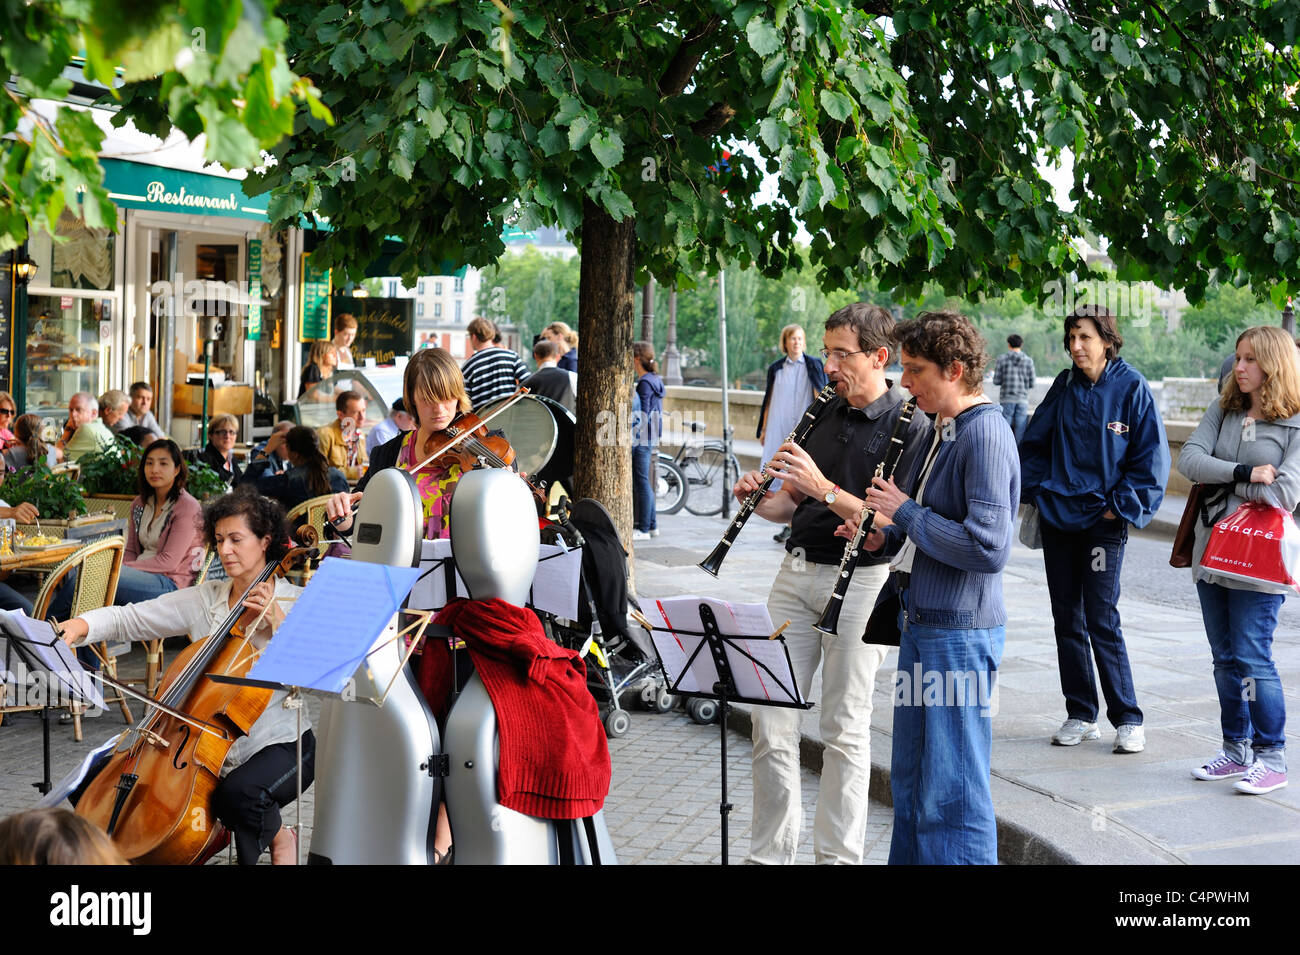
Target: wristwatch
column 829, row 496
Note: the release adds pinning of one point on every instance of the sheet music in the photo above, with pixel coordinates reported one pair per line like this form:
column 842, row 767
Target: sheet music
column 64, row 787
column 333, row 624
column 555, row 586
column 52, row 654
column 430, row 590
column 554, row 590
column 759, row 666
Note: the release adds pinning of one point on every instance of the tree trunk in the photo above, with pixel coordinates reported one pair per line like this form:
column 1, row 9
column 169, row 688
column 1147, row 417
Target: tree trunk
column 603, row 457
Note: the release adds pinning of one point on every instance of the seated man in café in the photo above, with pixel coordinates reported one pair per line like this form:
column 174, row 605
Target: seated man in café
column 84, row 431
column 341, row 440
column 270, row 456
column 138, row 413
column 112, row 409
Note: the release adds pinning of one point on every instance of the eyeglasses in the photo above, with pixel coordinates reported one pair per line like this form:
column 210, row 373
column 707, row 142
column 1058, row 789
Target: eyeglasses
column 7, row 412
column 225, row 431
column 839, row 354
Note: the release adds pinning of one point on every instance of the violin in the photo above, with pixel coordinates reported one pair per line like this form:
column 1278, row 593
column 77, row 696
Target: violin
column 467, row 443
column 153, row 795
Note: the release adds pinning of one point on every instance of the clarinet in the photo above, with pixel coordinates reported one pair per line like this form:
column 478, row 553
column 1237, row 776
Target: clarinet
column 830, row 617
column 798, row 436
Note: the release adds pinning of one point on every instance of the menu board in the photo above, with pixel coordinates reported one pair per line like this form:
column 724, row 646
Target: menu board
column 385, row 327
column 314, row 318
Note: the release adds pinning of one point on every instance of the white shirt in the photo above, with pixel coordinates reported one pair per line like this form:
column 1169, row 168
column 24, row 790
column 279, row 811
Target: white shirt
column 198, row 611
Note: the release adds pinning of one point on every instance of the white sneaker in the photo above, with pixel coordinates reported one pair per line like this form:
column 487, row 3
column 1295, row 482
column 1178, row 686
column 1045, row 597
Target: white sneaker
column 1130, row 738
column 654, row 532
column 640, row 535
column 1074, row 732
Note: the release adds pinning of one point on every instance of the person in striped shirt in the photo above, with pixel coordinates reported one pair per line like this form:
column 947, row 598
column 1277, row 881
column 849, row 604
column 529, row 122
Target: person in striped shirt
column 490, row 372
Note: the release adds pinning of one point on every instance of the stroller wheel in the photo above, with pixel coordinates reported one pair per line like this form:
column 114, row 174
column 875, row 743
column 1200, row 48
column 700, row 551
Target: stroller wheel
column 703, row 711
column 664, row 701
column 617, row 723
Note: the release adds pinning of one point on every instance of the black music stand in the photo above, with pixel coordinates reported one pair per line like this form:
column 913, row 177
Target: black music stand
column 41, row 651
column 724, row 688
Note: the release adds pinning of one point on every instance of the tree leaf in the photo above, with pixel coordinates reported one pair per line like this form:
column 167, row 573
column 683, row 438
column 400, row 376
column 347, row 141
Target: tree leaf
column 347, row 58
column 763, row 37
column 838, row 106
column 607, row 147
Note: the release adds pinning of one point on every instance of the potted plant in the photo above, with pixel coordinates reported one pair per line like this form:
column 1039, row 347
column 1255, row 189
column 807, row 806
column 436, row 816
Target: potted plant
column 111, row 475
column 204, row 482
column 57, row 497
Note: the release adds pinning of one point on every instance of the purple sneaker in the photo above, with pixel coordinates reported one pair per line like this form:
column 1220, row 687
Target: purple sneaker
column 1222, row 766
column 1261, row 780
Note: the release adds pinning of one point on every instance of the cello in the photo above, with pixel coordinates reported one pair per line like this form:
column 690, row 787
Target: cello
column 153, row 796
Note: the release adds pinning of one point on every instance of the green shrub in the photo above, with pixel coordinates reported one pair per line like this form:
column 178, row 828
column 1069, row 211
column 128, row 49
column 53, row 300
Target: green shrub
column 55, row 496
column 112, row 470
column 203, row 481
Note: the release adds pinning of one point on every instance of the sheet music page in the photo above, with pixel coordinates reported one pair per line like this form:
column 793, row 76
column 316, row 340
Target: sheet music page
column 767, row 675
column 53, row 655
column 555, row 586
column 64, row 787
column 430, row 590
column 333, row 624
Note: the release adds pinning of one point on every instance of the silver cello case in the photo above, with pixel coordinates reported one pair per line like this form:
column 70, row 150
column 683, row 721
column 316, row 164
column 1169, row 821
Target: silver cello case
column 376, row 799
column 377, row 778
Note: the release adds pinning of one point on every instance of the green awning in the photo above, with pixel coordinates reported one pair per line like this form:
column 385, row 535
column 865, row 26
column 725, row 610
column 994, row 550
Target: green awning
column 134, row 185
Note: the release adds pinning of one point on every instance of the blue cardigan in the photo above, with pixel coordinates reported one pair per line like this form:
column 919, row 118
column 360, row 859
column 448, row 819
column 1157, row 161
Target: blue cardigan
column 1095, row 447
column 963, row 531
column 816, row 378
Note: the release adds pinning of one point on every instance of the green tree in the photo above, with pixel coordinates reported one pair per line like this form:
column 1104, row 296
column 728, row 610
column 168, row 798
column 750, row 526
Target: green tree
column 215, row 68
column 1225, row 314
column 905, row 137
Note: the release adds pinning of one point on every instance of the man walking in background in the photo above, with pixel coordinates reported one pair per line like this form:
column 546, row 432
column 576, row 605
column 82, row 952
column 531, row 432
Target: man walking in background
column 1014, row 373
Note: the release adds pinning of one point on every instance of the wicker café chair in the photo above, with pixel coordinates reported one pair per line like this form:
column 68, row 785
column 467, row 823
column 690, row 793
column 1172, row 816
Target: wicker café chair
column 98, row 565
column 209, row 569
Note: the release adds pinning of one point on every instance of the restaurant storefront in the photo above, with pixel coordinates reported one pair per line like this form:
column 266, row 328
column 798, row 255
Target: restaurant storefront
column 193, row 261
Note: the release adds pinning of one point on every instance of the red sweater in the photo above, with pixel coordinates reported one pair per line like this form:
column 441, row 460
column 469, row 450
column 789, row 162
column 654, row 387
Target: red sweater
column 554, row 760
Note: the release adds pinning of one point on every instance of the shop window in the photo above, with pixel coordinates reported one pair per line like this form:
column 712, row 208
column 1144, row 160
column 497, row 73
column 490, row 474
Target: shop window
column 82, row 259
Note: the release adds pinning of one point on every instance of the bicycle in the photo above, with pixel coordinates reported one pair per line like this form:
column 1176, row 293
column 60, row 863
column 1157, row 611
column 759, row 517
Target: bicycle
column 700, row 464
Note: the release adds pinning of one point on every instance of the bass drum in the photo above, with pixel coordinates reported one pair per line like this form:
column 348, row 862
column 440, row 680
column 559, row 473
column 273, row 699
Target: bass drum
column 542, row 432
column 376, row 799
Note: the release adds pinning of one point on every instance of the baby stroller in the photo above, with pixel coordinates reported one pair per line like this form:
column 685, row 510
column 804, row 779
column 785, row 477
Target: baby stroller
column 617, row 664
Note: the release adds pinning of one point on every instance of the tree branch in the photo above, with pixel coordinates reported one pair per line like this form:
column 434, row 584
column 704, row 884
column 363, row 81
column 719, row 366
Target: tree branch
column 682, row 65
column 711, row 123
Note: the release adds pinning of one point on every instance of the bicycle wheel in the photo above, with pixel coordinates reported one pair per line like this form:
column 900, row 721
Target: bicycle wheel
column 670, row 487
column 707, row 478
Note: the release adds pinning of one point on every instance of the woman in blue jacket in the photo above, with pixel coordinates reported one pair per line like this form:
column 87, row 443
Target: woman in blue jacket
column 950, row 536
column 1094, row 459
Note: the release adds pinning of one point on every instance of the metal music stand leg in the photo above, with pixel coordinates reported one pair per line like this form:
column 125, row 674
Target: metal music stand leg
column 297, row 806
column 44, row 786
column 724, row 807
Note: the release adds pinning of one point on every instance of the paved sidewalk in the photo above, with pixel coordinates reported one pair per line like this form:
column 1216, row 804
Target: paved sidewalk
column 1057, row 804
column 662, row 807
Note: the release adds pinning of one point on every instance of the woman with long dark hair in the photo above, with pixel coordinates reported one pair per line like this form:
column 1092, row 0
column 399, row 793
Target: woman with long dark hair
column 164, row 536
column 309, row 475
column 258, row 778
column 1248, row 442
column 29, row 446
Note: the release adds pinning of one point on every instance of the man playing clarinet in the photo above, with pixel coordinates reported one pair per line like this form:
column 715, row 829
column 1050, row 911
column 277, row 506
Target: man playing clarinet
column 823, row 484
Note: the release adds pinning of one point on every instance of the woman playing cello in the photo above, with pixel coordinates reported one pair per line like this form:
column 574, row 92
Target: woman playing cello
column 257, row 778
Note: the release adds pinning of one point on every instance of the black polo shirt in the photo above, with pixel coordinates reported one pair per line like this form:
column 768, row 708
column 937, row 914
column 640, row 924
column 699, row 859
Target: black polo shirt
column 848, row 444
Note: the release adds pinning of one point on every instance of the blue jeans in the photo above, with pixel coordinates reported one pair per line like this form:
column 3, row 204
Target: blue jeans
column 643, row 488
column 943, row 740
column 1083, row 581
column 1017, row 415
column 1252, row 710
